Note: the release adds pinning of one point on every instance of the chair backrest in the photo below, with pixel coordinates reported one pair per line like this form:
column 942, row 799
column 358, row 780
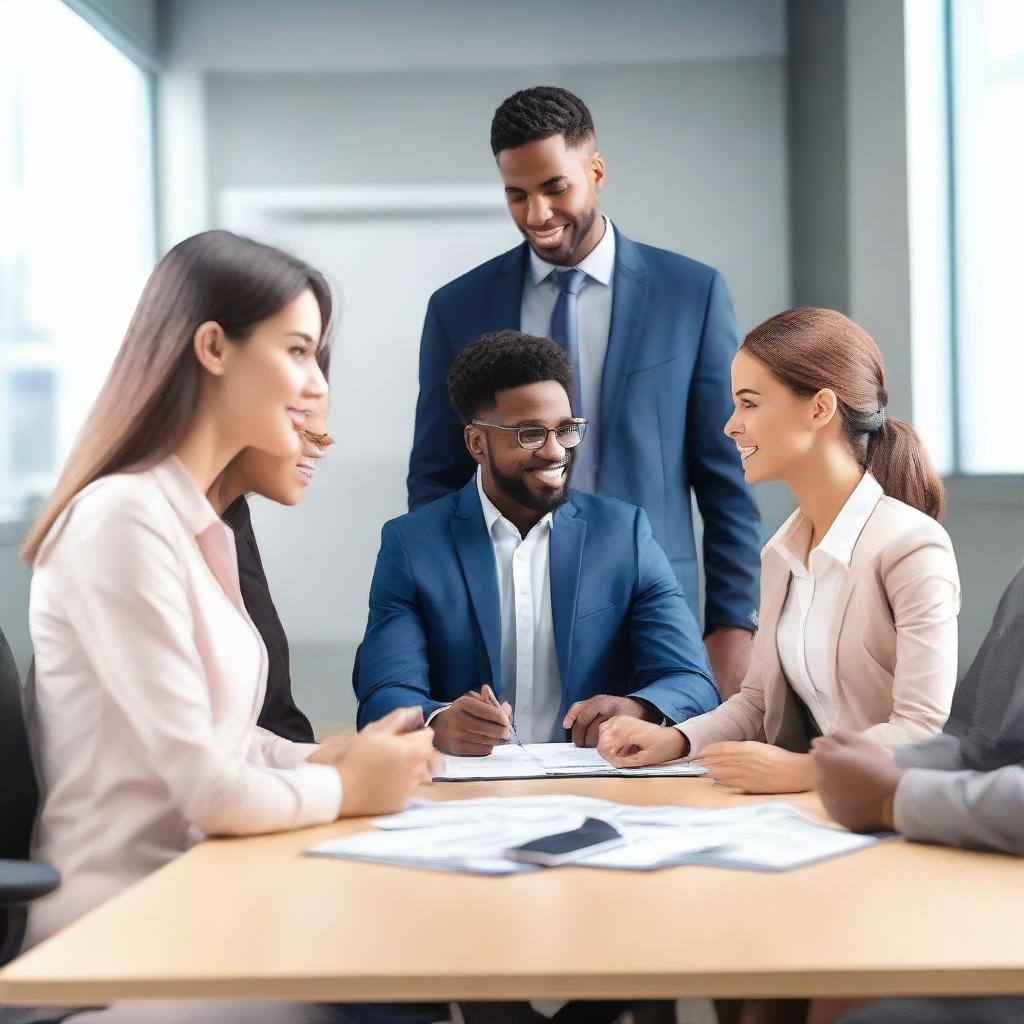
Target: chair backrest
column 19, row 790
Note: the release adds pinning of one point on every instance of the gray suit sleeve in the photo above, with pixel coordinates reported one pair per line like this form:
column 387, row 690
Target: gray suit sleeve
column 942, row 751
column 963, row 808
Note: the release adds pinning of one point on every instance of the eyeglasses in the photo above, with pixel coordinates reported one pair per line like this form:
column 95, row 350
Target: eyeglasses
column 568, row 435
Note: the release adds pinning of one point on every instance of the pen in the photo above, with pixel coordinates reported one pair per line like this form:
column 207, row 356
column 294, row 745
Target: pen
column 492, row 699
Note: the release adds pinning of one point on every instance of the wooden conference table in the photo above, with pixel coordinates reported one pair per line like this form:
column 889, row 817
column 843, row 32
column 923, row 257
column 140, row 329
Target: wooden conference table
column 252, row 919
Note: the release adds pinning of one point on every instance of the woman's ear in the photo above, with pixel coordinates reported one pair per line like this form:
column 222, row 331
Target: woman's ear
column 823, row 408
column 210, row 347
column 474, row 438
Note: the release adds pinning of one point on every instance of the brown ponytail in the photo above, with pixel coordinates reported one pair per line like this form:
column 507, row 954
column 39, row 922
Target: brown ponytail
column 811, row 349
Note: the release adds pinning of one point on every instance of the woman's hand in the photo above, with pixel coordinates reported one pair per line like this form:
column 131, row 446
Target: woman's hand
column 382, row 765
column 758, row 767
column 332, row 750
column 632, row 743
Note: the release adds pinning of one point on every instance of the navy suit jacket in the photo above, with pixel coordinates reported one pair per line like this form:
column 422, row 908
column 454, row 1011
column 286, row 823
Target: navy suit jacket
column 621, row 624
column 665, row 397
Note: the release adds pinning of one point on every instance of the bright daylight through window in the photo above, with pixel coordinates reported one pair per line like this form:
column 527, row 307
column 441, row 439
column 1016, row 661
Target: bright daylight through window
column 988, row 170
column 76, row 243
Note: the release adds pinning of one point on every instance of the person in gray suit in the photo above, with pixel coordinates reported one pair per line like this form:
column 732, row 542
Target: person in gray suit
column 963, row 788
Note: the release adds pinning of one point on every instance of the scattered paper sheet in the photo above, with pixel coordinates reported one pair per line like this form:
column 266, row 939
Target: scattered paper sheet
column 551, row 760
column 473, row 835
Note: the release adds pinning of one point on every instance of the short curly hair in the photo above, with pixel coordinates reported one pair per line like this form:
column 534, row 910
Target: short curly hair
column 503, row 360
column 540, row 113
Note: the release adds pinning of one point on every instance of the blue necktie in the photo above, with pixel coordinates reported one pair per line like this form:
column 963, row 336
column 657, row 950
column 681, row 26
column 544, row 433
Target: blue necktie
column 565, row 331
column 565, row 327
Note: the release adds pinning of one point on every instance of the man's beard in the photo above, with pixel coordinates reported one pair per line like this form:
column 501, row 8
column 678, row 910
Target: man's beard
column 516, row 489
column 580, row 230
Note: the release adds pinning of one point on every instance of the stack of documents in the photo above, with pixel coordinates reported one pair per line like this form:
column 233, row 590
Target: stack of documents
column 473, row 835
column 550, row 760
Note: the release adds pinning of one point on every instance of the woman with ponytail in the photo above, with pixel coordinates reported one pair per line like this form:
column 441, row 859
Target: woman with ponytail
column 859, row 587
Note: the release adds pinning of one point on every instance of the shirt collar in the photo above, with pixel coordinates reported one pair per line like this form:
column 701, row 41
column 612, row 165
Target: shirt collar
column 599, row 263
column 492, row 516
column 792, row 541
column 842, row 535
column 184, row 495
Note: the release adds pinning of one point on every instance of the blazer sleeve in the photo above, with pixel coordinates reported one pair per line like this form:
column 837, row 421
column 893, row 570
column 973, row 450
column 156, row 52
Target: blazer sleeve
column 439, row 462
column 741, row 717
column 923, row 588
column 275, row 751
column 940, row 752
column 127, row 601
column 669, row 661
column 727, row 507
column 963, row 808
column 394, row 670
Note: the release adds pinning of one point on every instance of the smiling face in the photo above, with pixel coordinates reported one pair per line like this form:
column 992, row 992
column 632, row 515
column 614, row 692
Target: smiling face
column 774, row 428
column 271, row 385
column 524, row 484
column 283, row 480
column 551, row 192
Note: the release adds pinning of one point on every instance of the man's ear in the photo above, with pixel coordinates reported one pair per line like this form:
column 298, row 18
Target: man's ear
column 597, row 170
column 210, row 346
column 823, row 409
column 475, row 443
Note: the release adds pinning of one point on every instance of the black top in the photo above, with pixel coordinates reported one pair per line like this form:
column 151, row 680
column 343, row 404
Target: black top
column 279, row 714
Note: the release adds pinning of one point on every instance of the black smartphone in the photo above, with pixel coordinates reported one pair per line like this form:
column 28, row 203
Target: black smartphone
column 565, row 847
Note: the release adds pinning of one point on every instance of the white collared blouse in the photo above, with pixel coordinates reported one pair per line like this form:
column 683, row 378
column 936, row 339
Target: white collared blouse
column 803, row 633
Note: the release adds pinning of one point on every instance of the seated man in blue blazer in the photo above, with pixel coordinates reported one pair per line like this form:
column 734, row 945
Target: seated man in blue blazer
column 562, row 602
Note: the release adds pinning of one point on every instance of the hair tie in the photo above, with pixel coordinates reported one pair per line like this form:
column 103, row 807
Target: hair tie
column 878, row 422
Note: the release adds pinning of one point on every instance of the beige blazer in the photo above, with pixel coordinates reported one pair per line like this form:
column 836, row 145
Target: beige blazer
column 893, row 639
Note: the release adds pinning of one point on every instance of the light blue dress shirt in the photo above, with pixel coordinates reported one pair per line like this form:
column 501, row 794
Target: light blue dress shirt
column 594, row 316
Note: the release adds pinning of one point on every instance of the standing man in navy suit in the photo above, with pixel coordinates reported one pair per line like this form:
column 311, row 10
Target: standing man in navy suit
column 651, row 335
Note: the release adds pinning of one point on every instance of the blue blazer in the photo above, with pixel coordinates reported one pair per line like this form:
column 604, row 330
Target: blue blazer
column 665, row 398
column 621, row 624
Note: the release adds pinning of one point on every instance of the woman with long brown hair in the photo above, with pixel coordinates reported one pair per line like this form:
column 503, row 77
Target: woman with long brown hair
column 859, row 587
column 149, row 673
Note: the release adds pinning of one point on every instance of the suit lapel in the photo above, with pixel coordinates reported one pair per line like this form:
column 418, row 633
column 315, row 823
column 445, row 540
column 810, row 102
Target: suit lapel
column 567, row 538
column 505, row 290
column 476, row 555
column 861, row 554
column 629, row 296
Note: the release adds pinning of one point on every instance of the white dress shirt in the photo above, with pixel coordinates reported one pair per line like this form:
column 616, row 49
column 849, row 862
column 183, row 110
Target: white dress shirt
column 594, row 319
column 149, row 679
column 529, row 661
column 806, row 620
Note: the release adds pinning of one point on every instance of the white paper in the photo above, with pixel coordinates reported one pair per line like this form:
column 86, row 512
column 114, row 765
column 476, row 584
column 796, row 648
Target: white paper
column 474, row 835
column 551, row 760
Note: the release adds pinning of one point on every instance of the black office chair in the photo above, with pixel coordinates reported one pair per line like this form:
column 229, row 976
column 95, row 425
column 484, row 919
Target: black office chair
column 21, row 880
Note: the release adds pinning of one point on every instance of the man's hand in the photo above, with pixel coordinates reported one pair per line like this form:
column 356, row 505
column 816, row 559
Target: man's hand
column 472, row 726
column 630, row 743
column 857, row 780
column 757, row 767
column 729, row 654
column 585, row 716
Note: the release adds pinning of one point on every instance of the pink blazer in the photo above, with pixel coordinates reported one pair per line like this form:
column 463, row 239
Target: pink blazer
column 893, row 639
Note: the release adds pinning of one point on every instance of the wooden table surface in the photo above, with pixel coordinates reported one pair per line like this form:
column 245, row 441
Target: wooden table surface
column 252, row 918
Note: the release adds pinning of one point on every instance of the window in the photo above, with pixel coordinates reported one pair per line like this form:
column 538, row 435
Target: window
column 987, row 121
column 77, row 234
